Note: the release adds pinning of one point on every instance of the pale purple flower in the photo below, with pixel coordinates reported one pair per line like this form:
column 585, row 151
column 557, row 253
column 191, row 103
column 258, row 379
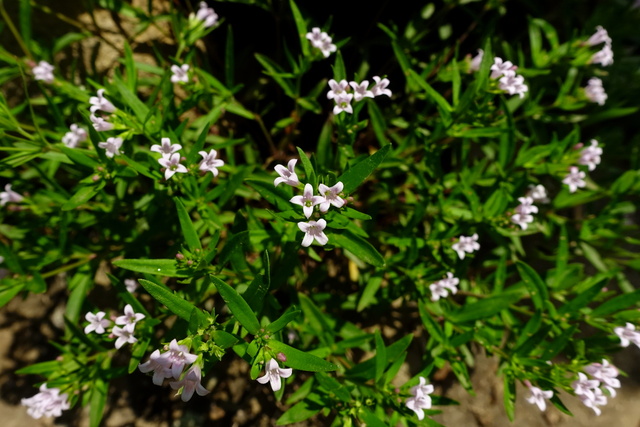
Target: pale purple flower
column 207, row 15
column 43, row 71
column 590, row 155
column 474, row 64
column 112, row 146
column 47, row 403
column 526, row 206
column 600, row 36
column 327, row 48
column 131, row 285
column 160, row 366
column 167, row 148
column 100, row 124
column 584, row 386
column 500, row 68
column 420, row 399
column 178, row 356
column 180, row 73
column 513, row 84
column 124, row 334
column 75, row 136
column 538, row 397
column 441, row 288
column 9, row 196
column 603, row 57
column 307, row 200
column 575, row 179
column 337, row 88
column 627, row 335
column 313, row 230
column 130, row 317
column 274, row 374
column 597, row 399
column 209, row 162
column 316, row 37
column 190, row 384
column 523, row 220
column 343, row 103
column 605, row 373
column 466, row 244
column 361, row 91
column 380, row 87
column 172, row 165
column 538, row 193
column 331, row 196
column 101, row 103
column 97, row 322
column 287, row 175
column 594, row 91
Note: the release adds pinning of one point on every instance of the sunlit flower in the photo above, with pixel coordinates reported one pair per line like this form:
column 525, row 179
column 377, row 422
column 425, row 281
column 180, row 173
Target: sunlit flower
column 124, row 334
column 178, row 356
column 594, row 91
column 75, row 136
column 603, row 57
column 190, row 383
column 526, row 206
column 538, row 397
column 331, row 196
column 513, row 84
column 100, row 124
column 160, row 366
column 575, row 179
column 343, row 103
column 474, row 64
column 274, row 374
column 420, row 399
column 590, row 155
column 361, row 91
column 129, row 317
column 605, row 373
column 287, row 175
column 167, row 148
column 172, row 165
column 97, row 323
column 48, row 403
column 628, row 335
column 466, row 244
column 112, row 146
column 180, row 73
column 337, row 88
column 313, row 230
column 600, row 36
column 207, row 15
column 523, row 220
column 501, row 67
column 380, row 87
column 101, row 103
column 441, row 288
column 307, row 200
column 9, row 196
column 209, row 162
column 43, row 71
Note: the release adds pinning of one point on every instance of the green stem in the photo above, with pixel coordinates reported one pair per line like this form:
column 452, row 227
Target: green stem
column 14, row 30
column 68, row 267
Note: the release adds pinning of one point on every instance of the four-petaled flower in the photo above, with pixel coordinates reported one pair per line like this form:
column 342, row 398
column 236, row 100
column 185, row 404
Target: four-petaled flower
column 159, row 365
column 207, row 15
column 574, row 179
column 178, row 356
column 597, row 399
column 100, row 124
column 313, row 230
column 361, row 91
column 48, row 403
column 603, row 57
column 307, row 200
column 167, row 148
column 180, row 73
column 441, row 288
column 500, row 68
column 124, row 334
column 513, row 84
column 112, row 146
column 130, row 317
column 131, row 285
column 209, row 162
column 538, row 193
column 584, row 386
column 628, row 335
column 101, row 103
column 172, row 165
column 380, row 87
column 343, row 103
column 43, row 71
column 605, row 373
column 321, row 40
column 466, row 244
column 287, row 175
column 190, row 384
column 331, row 196
column 590, row 155
column 538, row 397
column 9, row 196
column 420, row 399
column 75, row 136
column 274, row 374
column 337, row 88
column 97, row 322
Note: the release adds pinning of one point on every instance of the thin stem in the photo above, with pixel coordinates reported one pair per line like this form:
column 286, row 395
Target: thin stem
column 14, row 30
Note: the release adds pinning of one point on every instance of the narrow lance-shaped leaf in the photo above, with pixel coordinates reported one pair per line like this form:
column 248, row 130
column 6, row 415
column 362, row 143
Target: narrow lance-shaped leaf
column 300, row 360
column 238, row 306
column 176, row 304
column 356, row 175
column 188, row 230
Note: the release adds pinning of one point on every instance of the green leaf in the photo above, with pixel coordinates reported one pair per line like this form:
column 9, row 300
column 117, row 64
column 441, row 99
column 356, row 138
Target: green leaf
column 224, row 339
column 160, row 267
column 509, row 395
column 301, row 26
column 357, row 246
column 130, row 68
column 287, row 317
column 356, row 175
column 237, row 242
column 280, row 77
column 238, row 306
column 300, row 360
column 25, row 21
column 67, row 39
column 537, row 288
column 372, row 286
column 300, row 412
column 371, row 420
column 308, row 168
column 99, row 394
column 274, row 195
column 188, row 230
column 137, row 353
column 229, row 63
column 177, row 305
column 83, row 195
column 130, row 99
column 366, row 370
column 445, row 107
column 7, row 294
column 484, row 308
column 79, row 158
column 381, row 355
column 584, row 298
column 616, row 304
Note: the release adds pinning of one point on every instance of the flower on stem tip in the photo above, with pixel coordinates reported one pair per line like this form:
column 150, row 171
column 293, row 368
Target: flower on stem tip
column 594, row 400
column 101, row 103
column 500, row 68
column 100, row 124
column 594, row 91
column 131, row 285
column 420, row 399
column 361, row 90
column 600, row 36
column 124, row 334
column 172, row 165
column 209, row 162
column 321, row 40
column 307, row 200
column 331, row 196
column 75, row 136
column 474, row 64
column 574, row 179
column 603, row 57
column 190, row 383
column 313, row 230
column 538, row 193
column 43, row 71
column 129, row 317
column 584, row 386
column 167, row 148
column 159, row 365
column 178, row 356
column 207, row 15
column 441, row 288
column 112, row 146
column 380, row 87
column 274, row 374
column 538, row 397
column 605, row 373
column 9, row 196
column 513, row 84
column 180, row 73
column 337, row 88
column 627, row 335
column 590, row 155
column 466, row 244
column 287, row 175
column 343, row 103
column 48, row 403
column 97, row 322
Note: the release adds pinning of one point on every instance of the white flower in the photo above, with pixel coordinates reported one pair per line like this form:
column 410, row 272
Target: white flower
column 191, row 384
column 513, row 84
column 274, row 373
column 500, row 68
column 287, row 175
column 159, row 365
column 209, row 162
column 327, row 47
column 584, row 386
column 180, row 73
column 441, row 288
column 9, row 196
column 598, row 399
column 605, row 373
column 627, row 335
column 420, row 399
column 178, row 356
column 112, row 146
column 523, row 220
column 124, row 334
column 166, row 149
column 97, row 322
column 75, row 136
column 100, row 124
column 603, row 57
column 48, row 403
column 594, row 91
column 590, row 155
column 307, row 200
column 101, row 103
column 600, row 36
column 313, row 230
column 380, row 87
column 526, row 206
column 172, row 165
column 331, row 196
column 466, row 244
column 361, row 91
column 207, row 15
column 337, row 88
column 343, row 103
column 538, row 193
column 574, row 179
column 538, row 397
column 130, row 317
column 474, row 64
column 131, row 285
column 316, row 37
column 43, row 71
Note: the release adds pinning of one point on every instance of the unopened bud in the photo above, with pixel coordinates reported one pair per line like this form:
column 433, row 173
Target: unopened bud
column 179, row 256
column 281, row 357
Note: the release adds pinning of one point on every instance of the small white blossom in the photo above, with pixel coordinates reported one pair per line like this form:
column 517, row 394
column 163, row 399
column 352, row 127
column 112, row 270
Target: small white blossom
column 474, row 64
column 97, row 322
column 307, row 200
column 100, row 124
column 538, row 193
column 538, row 397
column 380, row 87
column 594, row 91
column 313, row 230
column 361, row 91
column 590, row 155
column 575, row 179
column 420, row 399
column 441, row 288
column 101, row 103
column 130, row 317
column 274, row 374
column 605, row 373
column 160, row 366
column 526, row 206
column 287, row 175
column 343, row 103
column 207, row 15
column 47, row 403
column 112, row 146
column 9, row 196
column 500, row 68
column 316, row 37
column 513, row 84
column 331, row 196
column 628, row 335
column 327, row 48
column 597, row 399
column 172, row 165
column 166, row 149
column 600, row 36
column 124, row 334
column 75, row 136
column 603, row 57
column 180, row 73
column 190, row 383
column 337, row 88
column 466, row 244
column 178, row 357
column 43, row 71
column 523, row 220
column 209, row 162
column 131, row 285
column 584, row 386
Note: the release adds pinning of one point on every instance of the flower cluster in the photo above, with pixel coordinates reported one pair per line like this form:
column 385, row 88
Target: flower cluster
column 441, row 288
column 538, row 396
column 321, row 40
column 595, row 92
column 508, row 81
column 124, row 332
column 170, row 159
column 588, row 390
column 590, row 155
column 466, row 245
column 273, row 375
column 575, row 179
column 43, row 71
column 523, row 216
column 47, row 403
column 420, row 399
column 75, row 136
column 604, row 56
column 170, row 364
column 339, row 92
column 628, row 335
column 206, row 15
column 9, row 196
column 100, row 103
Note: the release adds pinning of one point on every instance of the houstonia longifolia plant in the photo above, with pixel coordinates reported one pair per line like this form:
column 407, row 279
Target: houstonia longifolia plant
column 281, row 201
